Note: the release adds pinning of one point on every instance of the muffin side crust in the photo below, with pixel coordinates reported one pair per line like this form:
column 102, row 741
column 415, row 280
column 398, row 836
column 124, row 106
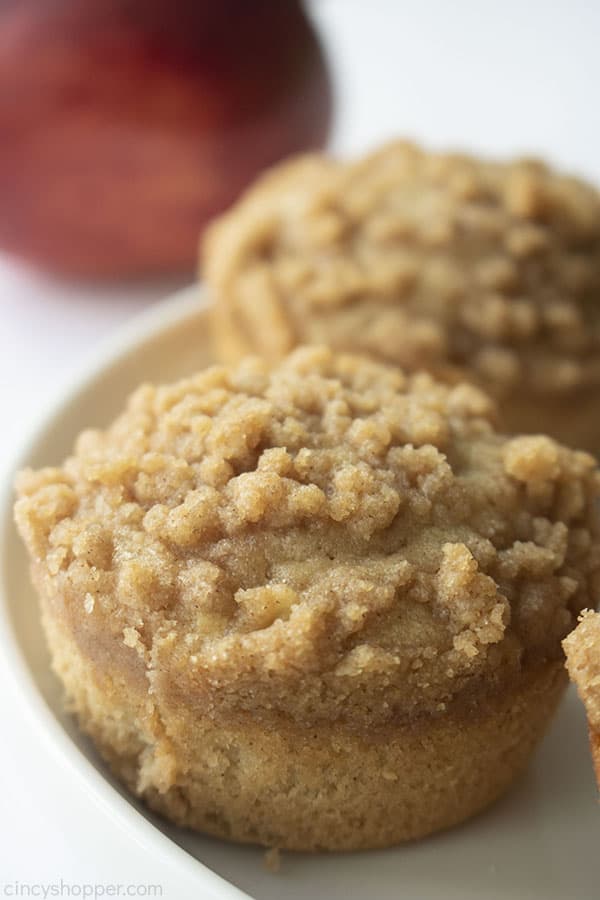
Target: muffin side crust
column 288, row 786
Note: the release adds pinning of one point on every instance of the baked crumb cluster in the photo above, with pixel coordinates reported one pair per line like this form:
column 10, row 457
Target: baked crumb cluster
column 425, row 260
column 326, row 539
column 582, row 647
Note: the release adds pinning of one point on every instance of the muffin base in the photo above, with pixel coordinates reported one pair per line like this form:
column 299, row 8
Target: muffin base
column 320, row 788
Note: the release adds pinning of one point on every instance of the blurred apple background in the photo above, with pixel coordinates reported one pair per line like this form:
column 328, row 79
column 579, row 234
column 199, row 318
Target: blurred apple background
column 127, row 124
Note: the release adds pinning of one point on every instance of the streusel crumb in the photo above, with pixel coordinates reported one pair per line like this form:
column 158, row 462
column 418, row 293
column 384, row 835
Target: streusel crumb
column 582, row 647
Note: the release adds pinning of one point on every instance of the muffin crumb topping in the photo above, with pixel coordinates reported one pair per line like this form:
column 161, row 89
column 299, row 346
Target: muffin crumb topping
column 326, row 535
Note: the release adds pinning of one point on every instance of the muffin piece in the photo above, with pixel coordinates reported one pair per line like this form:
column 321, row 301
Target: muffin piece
column 582, row 647
column 318, row 606
column 473, row 270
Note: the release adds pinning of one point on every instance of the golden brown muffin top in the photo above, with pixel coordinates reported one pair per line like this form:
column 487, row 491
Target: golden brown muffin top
column 582, row 647
column 326, row 539
column 431, row 261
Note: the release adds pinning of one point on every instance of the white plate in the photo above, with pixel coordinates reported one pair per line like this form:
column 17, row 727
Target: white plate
column 538, row 843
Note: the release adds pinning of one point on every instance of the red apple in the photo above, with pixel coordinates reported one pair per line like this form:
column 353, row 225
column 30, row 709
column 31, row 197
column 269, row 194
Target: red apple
column 126, row 124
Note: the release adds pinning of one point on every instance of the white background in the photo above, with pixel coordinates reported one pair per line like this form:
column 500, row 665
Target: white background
column 494, row 77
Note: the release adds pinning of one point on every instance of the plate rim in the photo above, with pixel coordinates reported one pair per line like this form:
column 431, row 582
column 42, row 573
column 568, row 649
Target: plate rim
column 140, row 328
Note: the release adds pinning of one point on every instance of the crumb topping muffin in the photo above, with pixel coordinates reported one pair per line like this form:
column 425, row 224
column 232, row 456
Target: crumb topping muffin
column 582, row 648
column 465, row 267
column 257, row 572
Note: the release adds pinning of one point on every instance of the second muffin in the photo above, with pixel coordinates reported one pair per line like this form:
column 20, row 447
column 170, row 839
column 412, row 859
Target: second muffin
column 467, row 268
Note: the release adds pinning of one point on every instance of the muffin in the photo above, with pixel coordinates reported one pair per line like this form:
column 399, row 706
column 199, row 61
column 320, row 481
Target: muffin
column 314, row 606
column 470, row 269
column 582, row 647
